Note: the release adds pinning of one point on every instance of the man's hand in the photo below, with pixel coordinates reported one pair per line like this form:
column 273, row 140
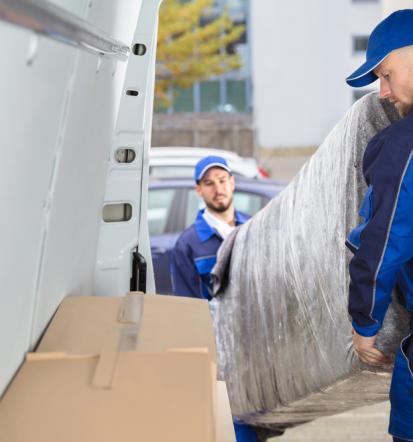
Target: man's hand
column 367, row 352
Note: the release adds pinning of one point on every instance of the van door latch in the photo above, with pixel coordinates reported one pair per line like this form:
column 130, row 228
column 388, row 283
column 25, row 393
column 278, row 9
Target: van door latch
column 139, row 266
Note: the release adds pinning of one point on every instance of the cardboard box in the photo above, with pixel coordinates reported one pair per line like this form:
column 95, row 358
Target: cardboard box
column 112, row 397
column 147, row 323
column 139, row 368
column 224, row 424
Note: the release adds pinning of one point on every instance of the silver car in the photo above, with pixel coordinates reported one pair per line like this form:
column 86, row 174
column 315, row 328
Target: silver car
column 173, row 162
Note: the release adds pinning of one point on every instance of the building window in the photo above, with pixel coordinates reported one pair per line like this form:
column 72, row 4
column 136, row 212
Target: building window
column 360, row 43
column 230, row 92
column 183, row 100
column 236, row 95
column 210, row 96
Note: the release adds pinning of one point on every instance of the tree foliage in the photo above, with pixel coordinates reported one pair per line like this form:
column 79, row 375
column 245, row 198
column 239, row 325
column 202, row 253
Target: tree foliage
column 190, row 51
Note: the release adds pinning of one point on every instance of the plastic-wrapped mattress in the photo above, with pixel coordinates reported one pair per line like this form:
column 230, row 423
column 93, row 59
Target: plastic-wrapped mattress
column 282, row 327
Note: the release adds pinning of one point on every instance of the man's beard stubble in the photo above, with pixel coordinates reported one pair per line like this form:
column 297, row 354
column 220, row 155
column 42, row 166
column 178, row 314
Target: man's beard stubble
column 219, row 208
column 405, row 110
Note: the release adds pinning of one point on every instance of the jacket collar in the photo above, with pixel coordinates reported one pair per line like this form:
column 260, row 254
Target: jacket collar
column 205, row 231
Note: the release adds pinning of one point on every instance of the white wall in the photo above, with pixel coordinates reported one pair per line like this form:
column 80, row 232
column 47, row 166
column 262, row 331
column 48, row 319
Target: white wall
column 390, row 6
column 57, row 119
column 364, row 17
column 301, row 54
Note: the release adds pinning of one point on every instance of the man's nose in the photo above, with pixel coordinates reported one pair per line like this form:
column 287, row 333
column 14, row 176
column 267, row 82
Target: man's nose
column 385, row 91
column 219, row 188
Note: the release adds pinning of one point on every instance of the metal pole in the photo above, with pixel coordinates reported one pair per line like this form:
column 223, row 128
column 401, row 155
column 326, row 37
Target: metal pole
column 58, row 24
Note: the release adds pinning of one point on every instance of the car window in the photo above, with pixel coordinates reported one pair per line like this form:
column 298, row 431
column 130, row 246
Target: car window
column 159, row 207
column 170, row 171
column 246, row 202
column 195, row 203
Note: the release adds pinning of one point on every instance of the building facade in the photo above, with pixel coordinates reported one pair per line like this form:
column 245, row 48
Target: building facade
column 301, row 54
column 291, row 90
column 393, row 5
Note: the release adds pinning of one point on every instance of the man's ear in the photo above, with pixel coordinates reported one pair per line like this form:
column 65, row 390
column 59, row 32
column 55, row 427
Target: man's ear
column 232, row 181
column 198, row 190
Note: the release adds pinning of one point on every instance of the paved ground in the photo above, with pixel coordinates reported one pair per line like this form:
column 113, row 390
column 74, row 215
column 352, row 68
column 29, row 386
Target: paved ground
column 367, row 424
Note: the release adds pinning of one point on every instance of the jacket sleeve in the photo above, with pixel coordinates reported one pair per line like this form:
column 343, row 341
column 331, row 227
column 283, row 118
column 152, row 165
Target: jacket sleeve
column 185, row 279
column 386, row 242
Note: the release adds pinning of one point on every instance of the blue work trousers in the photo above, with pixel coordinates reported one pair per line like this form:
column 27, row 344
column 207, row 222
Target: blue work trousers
column 401, row 395
column 244, row 433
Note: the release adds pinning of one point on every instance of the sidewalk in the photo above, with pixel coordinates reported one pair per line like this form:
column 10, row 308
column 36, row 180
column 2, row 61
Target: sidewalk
column 366, row 424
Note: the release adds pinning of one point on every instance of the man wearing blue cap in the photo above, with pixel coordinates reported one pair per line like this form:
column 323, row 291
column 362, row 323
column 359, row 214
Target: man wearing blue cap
column 194, row 254
column 383, row 243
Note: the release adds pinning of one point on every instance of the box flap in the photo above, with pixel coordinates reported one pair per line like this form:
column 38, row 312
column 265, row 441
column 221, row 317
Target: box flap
column 100, row 324
column 151, row 397
column 173, row 321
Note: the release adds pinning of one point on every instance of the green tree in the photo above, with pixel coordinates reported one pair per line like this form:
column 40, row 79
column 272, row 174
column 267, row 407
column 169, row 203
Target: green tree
column 189, row 51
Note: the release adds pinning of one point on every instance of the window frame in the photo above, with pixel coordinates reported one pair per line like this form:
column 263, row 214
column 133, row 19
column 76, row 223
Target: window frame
column 358, row 38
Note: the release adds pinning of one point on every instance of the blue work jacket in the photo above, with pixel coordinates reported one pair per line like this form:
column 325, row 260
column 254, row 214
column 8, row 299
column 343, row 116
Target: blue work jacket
column 194, row 256
column 383, row 243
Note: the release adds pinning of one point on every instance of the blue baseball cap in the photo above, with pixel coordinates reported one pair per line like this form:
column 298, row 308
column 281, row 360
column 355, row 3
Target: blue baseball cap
column 394, row 32
column 206, row 163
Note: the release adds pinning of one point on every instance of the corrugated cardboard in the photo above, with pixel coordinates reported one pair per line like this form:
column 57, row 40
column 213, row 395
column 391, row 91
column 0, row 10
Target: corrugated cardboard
column 126, row 397
column 224, row 425
column 94, row 324
column 139, row 368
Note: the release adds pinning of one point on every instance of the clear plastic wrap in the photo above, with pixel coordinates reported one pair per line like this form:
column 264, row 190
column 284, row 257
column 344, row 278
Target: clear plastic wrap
column 282, row 327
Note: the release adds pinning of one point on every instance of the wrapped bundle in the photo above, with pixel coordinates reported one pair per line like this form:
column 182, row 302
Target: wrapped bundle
column 282, row 327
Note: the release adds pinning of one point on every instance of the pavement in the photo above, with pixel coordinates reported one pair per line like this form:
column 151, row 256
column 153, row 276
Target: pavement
column 366, row 424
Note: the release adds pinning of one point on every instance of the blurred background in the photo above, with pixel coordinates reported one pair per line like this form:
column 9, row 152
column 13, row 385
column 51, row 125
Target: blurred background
column 262, row 78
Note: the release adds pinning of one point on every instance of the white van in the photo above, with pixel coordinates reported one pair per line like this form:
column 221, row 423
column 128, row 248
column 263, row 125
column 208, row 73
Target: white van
column 76, row 95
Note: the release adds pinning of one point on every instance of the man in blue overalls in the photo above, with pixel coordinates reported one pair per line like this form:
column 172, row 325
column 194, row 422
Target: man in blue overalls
column 383, row 243
column 194, row 254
